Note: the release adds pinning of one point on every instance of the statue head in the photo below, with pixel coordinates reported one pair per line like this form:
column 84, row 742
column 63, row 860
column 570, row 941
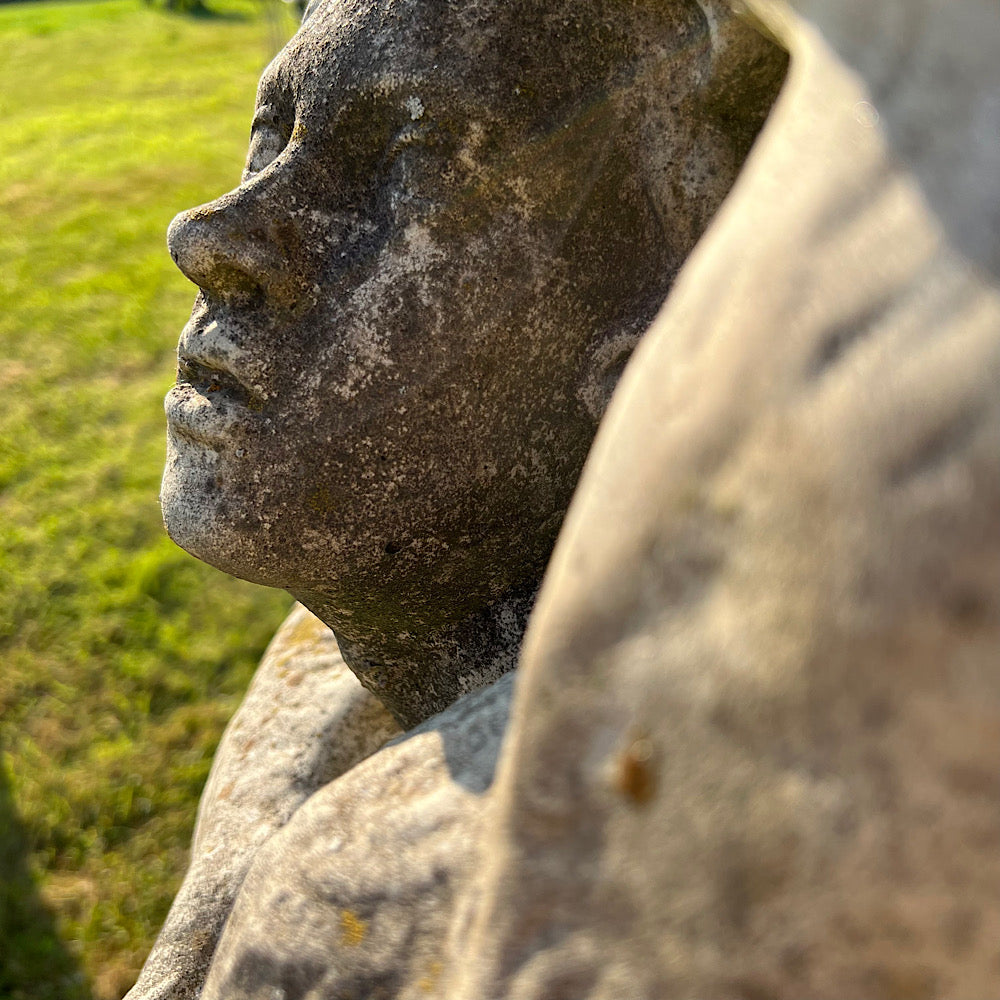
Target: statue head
column 456, row 219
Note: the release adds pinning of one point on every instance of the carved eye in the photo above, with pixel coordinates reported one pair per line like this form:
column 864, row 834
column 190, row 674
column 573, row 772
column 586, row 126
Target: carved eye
column 403, row 171
column 268, row 136
column 266, row 143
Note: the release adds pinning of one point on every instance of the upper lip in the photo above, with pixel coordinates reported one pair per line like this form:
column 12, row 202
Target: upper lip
column 208, row 377
column 207, row 360
column 211, row 403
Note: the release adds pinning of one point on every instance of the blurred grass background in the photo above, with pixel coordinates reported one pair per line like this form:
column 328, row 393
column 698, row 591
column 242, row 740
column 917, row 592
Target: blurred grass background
column 121, row 658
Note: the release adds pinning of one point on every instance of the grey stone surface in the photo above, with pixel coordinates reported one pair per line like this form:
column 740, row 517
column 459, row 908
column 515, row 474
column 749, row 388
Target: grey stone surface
column 456, row 220
column 305, row 721
column 353, row 898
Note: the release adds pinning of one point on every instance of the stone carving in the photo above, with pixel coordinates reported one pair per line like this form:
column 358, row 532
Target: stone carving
column 455, row 222
column 412, row 313
column 752, row 747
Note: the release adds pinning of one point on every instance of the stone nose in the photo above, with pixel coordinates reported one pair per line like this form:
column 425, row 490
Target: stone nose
column 244, row 249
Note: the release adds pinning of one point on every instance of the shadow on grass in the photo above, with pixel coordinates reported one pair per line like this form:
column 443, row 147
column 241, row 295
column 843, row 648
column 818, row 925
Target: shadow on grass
column 198, row 11
column 34, row 963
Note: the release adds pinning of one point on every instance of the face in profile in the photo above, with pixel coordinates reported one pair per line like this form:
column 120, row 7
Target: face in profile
column 413, row 306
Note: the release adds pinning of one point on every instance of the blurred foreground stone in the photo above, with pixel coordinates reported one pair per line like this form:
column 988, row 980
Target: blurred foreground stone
column 754, row 749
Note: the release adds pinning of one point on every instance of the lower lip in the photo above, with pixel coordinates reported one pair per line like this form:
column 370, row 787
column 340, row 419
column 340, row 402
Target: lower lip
column 205, row 417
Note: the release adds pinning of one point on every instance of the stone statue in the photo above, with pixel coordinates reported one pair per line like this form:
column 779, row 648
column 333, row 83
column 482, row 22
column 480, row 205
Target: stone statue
column 456, row 221
column 752, row 745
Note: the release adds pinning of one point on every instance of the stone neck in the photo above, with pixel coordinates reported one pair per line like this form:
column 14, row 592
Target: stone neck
column 418, row 673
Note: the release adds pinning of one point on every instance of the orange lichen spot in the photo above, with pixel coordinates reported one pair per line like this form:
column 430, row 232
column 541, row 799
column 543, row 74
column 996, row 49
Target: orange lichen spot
column 635, row 773
column 352, row 929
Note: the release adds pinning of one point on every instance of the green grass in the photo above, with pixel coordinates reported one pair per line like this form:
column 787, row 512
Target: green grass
column 121, row 657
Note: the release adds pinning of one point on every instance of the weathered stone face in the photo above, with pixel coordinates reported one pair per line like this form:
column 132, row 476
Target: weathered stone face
column 455, row 221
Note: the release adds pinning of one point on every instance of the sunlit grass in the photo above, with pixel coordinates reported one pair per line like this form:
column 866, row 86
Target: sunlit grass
column 120, row 657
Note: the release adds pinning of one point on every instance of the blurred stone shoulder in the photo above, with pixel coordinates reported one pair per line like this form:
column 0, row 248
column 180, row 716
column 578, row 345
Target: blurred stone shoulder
column 305, row 721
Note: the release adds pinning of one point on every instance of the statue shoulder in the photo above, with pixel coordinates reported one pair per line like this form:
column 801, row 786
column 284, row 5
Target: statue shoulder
column 305, row 721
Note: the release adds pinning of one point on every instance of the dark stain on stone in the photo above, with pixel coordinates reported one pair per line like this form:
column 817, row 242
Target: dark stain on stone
column 636, row 777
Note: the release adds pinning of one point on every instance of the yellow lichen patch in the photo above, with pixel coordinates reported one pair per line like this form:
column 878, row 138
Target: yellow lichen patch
column 429, row 982
column 319, row 500
column 306, row 630
column 352, row 929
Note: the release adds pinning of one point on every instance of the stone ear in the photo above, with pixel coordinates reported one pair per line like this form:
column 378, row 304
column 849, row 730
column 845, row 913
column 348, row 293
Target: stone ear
column 606, row 363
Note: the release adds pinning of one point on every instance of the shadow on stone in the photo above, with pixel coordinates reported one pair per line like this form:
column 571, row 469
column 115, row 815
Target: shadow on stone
column 34, row 963
column 471, row 732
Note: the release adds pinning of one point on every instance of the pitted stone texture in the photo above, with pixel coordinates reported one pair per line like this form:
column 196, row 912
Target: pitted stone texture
column 352, row 900
column 754, row 750
column 305, row 721
column 457, row 220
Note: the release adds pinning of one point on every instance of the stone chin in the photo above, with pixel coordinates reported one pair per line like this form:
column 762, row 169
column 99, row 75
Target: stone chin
column 212, row 526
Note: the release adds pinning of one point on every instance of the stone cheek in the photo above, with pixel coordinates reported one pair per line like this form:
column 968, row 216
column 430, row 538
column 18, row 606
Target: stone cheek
column 355, row 897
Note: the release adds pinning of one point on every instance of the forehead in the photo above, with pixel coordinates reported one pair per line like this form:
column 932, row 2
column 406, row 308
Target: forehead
column 357, row 67
column 526, row 62
column 363, row 43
